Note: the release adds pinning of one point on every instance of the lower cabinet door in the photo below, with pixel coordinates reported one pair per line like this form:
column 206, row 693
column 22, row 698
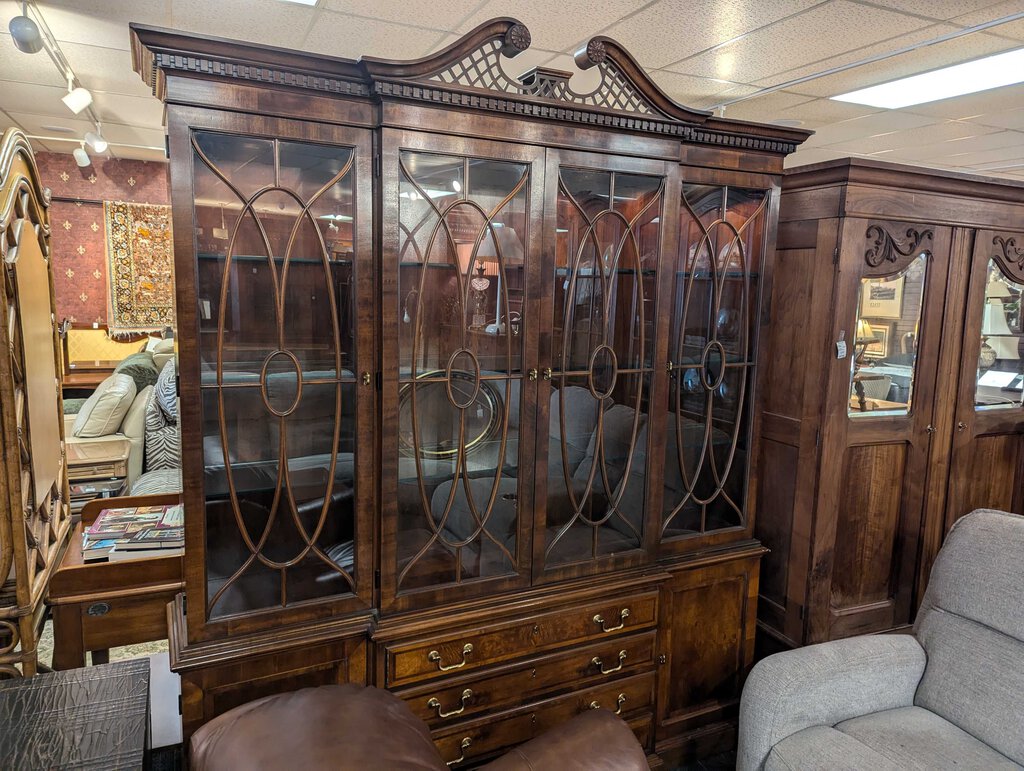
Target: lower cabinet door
column 474, row 740
column 708, row 619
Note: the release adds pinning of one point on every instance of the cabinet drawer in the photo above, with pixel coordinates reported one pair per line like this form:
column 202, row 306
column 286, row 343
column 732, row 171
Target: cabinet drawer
column 634, row 696
column 411, row 662
column 455, row 699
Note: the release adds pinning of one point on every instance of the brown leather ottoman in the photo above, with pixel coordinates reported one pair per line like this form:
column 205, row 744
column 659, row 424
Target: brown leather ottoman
column 352, row 727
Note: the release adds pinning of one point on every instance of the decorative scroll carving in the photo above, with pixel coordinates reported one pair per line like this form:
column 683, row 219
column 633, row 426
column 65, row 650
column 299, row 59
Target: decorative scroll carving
column 884, row 247
column 1012, row 254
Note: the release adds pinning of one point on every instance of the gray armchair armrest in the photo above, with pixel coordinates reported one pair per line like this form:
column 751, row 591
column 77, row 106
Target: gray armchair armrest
column 824, row 685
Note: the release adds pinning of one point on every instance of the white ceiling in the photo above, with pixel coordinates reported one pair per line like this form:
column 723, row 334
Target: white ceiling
column 702, row 52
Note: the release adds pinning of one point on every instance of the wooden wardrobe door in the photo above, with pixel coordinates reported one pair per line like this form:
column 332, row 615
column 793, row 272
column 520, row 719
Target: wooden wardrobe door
column 986, row 464
column 878, row 426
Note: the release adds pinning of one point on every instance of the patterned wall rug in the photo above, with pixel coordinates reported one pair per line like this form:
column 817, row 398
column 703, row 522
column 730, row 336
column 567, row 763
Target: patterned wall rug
column 140, row 256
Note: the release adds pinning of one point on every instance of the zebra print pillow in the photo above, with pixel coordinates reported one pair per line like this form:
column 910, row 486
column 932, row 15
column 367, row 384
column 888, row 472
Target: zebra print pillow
column 163, row 441
column 167, row 391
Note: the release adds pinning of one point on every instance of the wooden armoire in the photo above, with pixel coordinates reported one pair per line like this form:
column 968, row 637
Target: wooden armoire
column 468, row 366
column 35, row 515
column 892, row 400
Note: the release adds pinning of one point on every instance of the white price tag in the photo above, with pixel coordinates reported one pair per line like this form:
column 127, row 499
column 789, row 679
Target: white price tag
column 840, row 349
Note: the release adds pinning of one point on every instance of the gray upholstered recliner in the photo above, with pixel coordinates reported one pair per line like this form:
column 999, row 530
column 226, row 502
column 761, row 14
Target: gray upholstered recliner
column 950, row 696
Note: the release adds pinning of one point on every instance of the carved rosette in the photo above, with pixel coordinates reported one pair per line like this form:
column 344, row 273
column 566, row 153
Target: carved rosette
column 884, row 247
column 517, row 40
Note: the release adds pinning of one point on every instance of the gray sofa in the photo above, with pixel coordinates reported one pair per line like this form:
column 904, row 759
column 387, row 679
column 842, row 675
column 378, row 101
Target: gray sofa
column 950, row 696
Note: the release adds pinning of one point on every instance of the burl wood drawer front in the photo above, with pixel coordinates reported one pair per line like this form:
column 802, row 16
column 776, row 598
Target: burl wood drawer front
column 632, row 697
column 455, row 699
column 411, row 662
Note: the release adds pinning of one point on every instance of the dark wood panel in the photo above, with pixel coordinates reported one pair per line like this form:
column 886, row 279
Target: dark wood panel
column 988, row 477
column 778, row 466
column 868, row 524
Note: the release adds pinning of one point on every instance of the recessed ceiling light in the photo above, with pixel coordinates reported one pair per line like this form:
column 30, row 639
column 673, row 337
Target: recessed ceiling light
column 57, row 129
column 788, row 122
column 1003, row 69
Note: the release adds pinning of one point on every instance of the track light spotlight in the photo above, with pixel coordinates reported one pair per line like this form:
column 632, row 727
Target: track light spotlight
column 25, row 32
column 76, row 99
column 96, row 141
column 81, row 156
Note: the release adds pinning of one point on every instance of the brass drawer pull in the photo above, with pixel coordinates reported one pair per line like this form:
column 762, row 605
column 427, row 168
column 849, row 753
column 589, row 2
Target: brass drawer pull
column 598, row 663
column 435, row 704
column 623, row 615
column 463, row 746
column 618, row 704
column 436, row 658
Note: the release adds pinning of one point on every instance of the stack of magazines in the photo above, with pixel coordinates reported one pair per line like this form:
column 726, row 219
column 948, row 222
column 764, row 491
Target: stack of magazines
column 134, row 533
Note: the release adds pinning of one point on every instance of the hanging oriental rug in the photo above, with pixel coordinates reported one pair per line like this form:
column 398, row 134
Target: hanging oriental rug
column 140, row 267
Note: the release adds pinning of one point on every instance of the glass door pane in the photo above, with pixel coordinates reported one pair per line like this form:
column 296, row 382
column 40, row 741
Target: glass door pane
column 274, row 240
column 716, row 295
column 461, row 284
column 608, row 243
column 1000, row 376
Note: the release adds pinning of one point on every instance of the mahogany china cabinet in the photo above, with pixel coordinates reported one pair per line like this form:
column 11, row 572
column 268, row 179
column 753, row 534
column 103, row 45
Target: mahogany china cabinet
column 892, row 402
column 468, row 367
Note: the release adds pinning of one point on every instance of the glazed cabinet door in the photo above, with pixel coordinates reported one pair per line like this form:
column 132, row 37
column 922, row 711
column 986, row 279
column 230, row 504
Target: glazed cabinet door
column 713, row 310
column 460, row 257
column 275, row 286
column 985, row 469
column 880, row 418
column 605, row 236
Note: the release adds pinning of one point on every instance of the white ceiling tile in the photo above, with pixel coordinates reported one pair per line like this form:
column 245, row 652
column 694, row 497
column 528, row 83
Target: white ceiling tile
column 556, row 26
column 1000, row 155
column 970, row 105
column 869, row 125
column 33, row 98
column 766, row 108
column 105, row 69
column 673, row 30
column 944, row 131
column 254, row 21
column 129, row 110
column 446, row 14
column 134, row 135
column 27, row 68
column 938, row 9
column 991, row 13
column 698, row 92
column 817, row 113
column 822, row 32
column 102, row 22
column 943, row 152
column 338, row 35
column 34, row 124
column 1007, row 119
column 140, row 154
column 912, row 63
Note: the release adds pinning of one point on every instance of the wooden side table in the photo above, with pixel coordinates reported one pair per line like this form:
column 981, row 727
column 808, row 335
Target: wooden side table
column 101, row 605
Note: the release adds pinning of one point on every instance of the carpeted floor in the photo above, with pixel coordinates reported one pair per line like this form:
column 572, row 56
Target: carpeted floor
column 116, row 654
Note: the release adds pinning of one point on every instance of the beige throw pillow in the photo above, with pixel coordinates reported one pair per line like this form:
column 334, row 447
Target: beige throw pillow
column 103, row 412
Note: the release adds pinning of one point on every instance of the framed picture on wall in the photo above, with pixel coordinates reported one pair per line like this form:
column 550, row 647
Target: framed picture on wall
column 882, row 298
column 882, row 332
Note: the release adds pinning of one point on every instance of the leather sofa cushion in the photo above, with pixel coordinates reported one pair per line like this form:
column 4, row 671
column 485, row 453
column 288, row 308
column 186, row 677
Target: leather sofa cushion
column 317, row 729
column 104, row 410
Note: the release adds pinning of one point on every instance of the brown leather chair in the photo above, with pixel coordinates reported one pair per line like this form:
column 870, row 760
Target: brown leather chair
column 352, row 727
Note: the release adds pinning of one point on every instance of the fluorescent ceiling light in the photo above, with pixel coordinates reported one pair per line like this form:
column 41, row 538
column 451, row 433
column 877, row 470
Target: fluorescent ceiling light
column 303, row 2
column 1003, row 69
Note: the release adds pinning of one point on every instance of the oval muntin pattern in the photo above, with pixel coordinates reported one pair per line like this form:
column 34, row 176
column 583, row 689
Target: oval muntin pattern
column 442, row 230
column 283, row 484
column 628, row 236
column 710, row 247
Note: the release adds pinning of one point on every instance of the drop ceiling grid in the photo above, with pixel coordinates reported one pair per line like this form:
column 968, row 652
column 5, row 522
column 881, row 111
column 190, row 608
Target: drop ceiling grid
column 702, row 52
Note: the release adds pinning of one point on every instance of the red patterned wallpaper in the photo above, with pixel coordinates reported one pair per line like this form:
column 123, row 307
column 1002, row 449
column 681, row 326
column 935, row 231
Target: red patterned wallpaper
column 78, row 243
